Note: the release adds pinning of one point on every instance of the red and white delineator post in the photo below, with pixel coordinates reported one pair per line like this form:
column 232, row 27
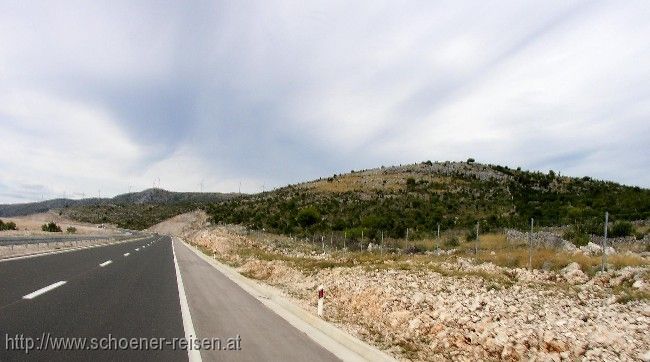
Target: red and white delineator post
column 321, row 298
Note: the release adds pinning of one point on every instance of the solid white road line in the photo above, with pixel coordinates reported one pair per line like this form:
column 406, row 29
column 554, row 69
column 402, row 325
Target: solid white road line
column 105, row 263
column 127, row 254
column 190, row 334
column 35, row 294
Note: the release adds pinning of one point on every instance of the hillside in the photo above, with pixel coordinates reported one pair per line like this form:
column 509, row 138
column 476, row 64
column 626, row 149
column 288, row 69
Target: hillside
column 136, row 210
column 420, row 196
column 9, row 210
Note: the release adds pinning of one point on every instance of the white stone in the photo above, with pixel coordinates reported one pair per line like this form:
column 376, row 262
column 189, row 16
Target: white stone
column 645, row 357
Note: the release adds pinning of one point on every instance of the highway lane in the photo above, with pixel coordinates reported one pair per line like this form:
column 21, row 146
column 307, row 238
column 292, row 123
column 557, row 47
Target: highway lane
column 132, row 296
column 220, row 308
column 20, row 276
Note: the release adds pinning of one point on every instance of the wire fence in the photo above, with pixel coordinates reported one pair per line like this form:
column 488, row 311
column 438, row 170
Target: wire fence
column 459, row 241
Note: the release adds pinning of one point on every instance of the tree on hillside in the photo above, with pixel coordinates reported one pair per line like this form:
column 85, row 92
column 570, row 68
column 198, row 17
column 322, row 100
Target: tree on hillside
column 308, row 217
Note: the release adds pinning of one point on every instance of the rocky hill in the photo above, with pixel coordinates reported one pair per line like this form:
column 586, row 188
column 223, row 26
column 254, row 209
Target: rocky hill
column 421, row 196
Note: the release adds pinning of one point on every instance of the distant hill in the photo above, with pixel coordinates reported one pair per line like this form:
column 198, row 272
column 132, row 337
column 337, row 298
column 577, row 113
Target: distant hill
column 136, row 210
column 455, row 195
column 160, row 196
column 30, row 208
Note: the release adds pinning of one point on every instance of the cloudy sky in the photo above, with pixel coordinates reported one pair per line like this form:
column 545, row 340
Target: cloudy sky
column 115, row 95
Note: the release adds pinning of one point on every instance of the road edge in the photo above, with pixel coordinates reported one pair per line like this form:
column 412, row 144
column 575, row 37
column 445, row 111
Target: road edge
column 194, row 355
column 342, row 344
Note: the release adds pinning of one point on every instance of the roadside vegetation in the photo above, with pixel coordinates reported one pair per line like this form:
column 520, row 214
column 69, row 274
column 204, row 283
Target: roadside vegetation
column 51, row 227
column 9, row 225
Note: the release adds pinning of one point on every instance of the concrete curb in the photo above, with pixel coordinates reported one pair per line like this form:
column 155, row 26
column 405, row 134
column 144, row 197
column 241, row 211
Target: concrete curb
column 340, row 343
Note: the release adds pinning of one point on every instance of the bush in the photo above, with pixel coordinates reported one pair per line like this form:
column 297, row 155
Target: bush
column 8, row 225
column 452, row 242
column 577, row 237
column 471, row 234
column 71, row 230
column 622, row 229
column 470, row 160
column 308, row 217
column 51, row 227
column 410, row 183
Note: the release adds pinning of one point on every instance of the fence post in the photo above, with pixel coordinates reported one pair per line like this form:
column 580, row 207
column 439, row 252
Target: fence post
column 361, row 248
column 530, row 245
column 477, row 241
column 602, row 265
column 438, row 241
column 407, row 239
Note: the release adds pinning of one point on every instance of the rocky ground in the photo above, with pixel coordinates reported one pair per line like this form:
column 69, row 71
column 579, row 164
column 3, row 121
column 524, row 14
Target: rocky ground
column 447, row 308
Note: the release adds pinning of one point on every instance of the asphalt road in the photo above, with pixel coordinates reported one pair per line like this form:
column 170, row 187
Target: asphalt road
column 101, row 293
column 133, row 296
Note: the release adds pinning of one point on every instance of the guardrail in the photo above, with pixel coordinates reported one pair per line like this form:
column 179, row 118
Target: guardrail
column 40, row 239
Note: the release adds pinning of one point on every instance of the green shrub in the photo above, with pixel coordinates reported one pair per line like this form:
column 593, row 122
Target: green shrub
column 471, row 234
column 410, row 183
column 452, row 242
column 622, row 229
column 51, row 227
column 10, row 225
column 71, row 230
column 577, row 237
column 308, row 217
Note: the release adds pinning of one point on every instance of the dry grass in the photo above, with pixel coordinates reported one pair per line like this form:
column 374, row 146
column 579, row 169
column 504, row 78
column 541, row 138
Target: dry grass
column 375, row 181
column 493, row 248
column 359, row 182
column 551, row 259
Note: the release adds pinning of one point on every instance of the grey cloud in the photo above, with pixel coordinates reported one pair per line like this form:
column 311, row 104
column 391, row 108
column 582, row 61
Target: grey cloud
column 230, row 83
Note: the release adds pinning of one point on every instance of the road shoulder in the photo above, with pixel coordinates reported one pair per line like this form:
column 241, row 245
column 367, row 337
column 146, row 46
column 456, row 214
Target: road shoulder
column 340, row 343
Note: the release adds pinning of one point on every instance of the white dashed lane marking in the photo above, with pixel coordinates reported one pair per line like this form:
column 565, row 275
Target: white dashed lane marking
column 35, row 294
column 105, row 263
